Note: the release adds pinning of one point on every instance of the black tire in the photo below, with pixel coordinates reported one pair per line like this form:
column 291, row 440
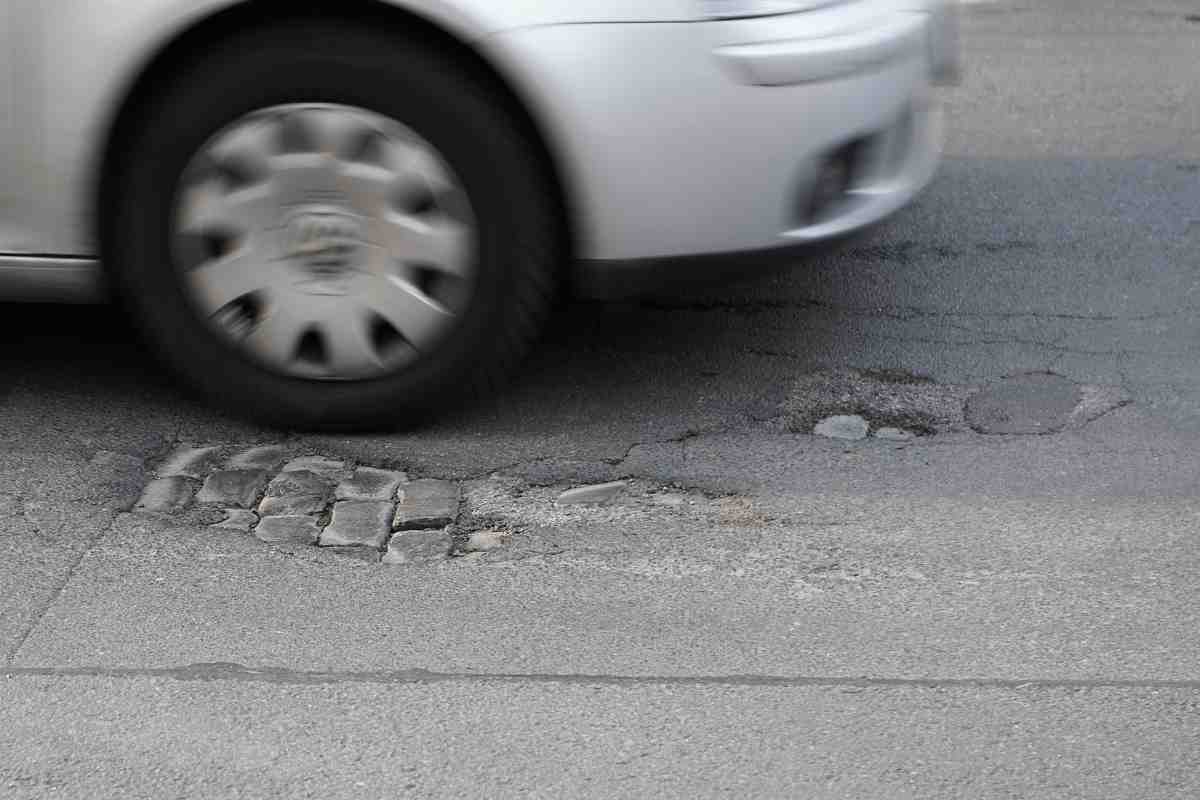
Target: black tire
column 396, row 76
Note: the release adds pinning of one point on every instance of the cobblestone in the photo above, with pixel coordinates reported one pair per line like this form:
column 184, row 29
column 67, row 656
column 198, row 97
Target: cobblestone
column 190, row 462
column 268, row 457
column 294, row 529
column 419, row 547
column 427, row 504
column 330, row 468
column 167, row 495
column 236, row 488
column 368, row 483
column 292, row 504
column 296, row 492
column 366, row 523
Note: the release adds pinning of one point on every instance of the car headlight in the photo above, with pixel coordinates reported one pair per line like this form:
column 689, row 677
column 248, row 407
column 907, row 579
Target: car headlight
column 734, row 9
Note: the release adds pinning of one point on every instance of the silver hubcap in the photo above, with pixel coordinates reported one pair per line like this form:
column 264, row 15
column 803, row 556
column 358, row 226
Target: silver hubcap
column 325, row 241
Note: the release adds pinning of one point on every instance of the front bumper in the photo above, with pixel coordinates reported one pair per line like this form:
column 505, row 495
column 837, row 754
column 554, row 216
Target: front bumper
column 710, row 138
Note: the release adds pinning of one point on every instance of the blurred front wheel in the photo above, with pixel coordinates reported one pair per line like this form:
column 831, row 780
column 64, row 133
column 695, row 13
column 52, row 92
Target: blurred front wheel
column 319, row 225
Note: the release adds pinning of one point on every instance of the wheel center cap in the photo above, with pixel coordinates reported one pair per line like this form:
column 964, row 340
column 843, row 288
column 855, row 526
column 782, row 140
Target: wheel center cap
column 325, row 245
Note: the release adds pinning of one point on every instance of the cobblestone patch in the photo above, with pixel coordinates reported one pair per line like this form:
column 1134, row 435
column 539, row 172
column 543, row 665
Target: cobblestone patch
column 315, row 501
column 289, row 499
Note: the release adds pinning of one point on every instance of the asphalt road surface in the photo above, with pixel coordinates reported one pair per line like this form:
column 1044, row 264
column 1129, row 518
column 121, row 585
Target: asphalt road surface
column 765, row 613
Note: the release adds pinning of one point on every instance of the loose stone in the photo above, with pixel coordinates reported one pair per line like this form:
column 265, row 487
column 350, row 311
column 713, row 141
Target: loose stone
column 850, row 428
column 591, row 495
column 483, row 541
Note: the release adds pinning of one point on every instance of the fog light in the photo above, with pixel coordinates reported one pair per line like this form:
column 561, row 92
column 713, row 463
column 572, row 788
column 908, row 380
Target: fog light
column 833, row 180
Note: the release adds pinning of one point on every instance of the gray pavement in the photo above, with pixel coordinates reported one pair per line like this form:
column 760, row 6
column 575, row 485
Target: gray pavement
column 959, row 616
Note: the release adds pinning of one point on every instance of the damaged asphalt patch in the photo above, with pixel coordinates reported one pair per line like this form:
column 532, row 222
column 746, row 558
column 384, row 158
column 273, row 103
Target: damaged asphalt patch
column 883, row 398
column 889, row 403
column 1039, row 403
column 372, row 514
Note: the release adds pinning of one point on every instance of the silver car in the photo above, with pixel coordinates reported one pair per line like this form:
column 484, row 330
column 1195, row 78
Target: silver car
column 353, row 213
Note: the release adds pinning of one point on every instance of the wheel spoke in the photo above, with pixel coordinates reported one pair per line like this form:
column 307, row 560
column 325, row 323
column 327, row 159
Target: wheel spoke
column 402, row 169
column 249, row 147
column 209, row 208
column 436, row 242
column 276, row 337
column 412, row 162
column 417, row 317
column 298, row 175
column 333, row 132
column 219, row 282
column 349, row 350
column 369, row 186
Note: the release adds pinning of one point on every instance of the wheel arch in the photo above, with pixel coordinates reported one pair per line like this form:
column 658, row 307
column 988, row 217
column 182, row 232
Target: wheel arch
column 452, row 32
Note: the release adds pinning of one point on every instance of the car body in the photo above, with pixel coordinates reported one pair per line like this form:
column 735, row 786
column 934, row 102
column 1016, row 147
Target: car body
column 676, row 133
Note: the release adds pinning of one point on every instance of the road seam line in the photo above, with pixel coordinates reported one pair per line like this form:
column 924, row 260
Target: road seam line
column 239, row 673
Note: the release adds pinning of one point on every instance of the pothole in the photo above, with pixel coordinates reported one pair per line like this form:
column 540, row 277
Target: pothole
column 890, row 404
column 884, row 399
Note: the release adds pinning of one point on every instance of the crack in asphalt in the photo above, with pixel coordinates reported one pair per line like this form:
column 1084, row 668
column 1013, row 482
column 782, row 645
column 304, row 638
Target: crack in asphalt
column 233, row 672
column 759, row 306
column 27, row 631
column 616, row 461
